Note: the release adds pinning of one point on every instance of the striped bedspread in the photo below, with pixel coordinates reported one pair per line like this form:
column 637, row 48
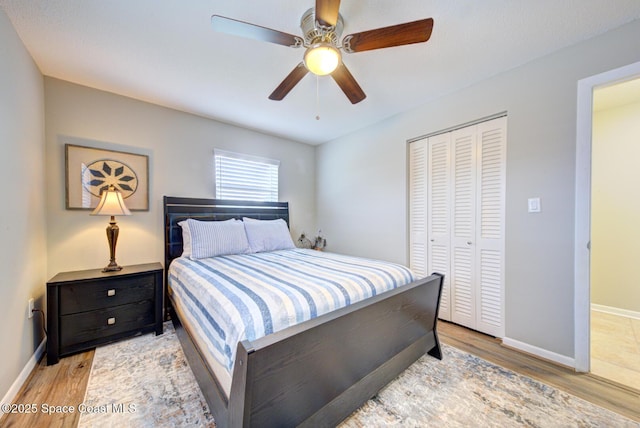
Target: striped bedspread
column 238, row 297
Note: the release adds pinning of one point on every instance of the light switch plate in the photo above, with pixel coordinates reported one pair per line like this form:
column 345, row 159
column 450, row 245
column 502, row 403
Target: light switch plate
column 534, row 205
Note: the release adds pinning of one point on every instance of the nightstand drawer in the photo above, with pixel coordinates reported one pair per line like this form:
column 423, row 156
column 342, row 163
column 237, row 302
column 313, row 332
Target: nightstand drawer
column 100, row 294
column 89, row 326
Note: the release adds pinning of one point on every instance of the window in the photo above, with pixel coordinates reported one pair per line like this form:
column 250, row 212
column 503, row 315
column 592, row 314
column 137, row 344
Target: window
column 244, row 177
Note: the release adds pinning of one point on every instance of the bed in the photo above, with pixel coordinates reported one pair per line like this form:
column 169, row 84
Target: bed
column 314, row 372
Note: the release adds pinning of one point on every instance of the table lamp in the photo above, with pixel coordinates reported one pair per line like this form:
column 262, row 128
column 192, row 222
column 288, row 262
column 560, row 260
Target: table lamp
column 111, row 203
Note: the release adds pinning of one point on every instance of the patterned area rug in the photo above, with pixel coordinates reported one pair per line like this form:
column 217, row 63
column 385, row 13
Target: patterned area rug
column 146, row 382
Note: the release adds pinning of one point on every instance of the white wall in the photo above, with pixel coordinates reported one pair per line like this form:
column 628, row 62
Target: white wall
column 361, row 193
column 615, row 212
column 22, row 217
column 180, row 149
column 362, row 180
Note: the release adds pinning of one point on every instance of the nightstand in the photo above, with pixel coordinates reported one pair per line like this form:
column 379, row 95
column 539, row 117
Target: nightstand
column 90, row 307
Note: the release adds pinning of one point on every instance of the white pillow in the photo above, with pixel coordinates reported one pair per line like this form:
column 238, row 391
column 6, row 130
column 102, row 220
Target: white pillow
column 267, row 235
column 215, row 238
column 186, row 238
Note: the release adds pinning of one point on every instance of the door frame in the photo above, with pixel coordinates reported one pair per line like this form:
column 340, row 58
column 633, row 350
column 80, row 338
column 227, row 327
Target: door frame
column 582, row 237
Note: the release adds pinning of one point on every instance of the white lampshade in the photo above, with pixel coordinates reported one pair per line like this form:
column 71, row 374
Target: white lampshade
column 111, row 203
column 322, row 58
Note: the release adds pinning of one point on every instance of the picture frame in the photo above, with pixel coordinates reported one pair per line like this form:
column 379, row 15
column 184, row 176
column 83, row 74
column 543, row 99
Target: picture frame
column 89, row 170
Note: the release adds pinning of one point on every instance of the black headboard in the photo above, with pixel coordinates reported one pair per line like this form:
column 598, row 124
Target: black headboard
column 177, row 209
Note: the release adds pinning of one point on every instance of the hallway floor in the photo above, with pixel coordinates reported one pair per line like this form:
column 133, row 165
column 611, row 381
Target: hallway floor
column 615, row 348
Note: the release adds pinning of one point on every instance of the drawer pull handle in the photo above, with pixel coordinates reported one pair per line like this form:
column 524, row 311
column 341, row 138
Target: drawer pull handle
column 111, row 292
column 111, row 321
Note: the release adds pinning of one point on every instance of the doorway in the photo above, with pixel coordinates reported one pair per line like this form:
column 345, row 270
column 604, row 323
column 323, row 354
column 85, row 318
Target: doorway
column 615, row 232
column 583, row 208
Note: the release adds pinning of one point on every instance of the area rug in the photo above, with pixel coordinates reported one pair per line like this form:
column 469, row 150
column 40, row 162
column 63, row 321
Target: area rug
column 146, row 382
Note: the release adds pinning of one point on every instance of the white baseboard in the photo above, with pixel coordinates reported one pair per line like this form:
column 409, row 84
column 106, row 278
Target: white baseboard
column 616, row 311
column 24, row 374
column 539, row 352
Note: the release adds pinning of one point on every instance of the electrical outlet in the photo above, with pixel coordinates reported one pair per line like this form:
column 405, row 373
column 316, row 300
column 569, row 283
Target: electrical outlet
column 30, row 309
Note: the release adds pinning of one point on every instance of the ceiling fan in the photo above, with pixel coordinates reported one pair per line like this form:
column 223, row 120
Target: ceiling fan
column 322, row 28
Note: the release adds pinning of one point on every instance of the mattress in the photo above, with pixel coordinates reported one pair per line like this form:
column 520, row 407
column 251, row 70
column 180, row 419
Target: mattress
column 226, row 299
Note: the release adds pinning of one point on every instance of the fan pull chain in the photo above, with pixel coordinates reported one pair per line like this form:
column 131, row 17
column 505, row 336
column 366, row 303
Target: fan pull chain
column 317, row 97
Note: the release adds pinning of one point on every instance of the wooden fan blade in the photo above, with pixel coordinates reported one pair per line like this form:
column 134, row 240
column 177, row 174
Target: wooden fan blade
column 252, row 31
column 348, row 84
column 289, row 82
column 327, row 12
column 386, row 37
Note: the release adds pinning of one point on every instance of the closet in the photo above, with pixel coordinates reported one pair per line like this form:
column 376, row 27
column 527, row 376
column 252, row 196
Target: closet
column 456, row 220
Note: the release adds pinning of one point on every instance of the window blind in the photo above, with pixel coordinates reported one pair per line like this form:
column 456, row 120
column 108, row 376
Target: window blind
column 245, row 177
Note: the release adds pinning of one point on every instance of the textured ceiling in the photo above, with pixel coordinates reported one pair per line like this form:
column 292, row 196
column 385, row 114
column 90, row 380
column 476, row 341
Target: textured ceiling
column 165, row 52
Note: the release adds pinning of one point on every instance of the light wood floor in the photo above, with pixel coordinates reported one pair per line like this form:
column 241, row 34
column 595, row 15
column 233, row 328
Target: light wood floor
column 65, row 383
column 615, row 348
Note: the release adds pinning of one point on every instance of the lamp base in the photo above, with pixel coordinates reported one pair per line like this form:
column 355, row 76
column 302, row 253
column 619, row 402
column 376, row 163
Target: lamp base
column 112, row 237
column 112, row 267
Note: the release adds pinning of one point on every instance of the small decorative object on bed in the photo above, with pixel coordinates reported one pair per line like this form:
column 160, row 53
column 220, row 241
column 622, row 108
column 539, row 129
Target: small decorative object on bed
column 304, row 242
column 319, row 242
column 284, row 336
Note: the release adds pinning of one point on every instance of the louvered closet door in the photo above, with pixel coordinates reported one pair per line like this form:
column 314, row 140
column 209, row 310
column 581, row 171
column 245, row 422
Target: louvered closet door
column 438, row 215
column 418, row 207
column 463, row 219
column 491, row 137
column 463, row 175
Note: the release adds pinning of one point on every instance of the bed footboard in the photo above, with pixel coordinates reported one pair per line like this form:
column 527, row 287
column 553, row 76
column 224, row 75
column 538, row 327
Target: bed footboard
column 318, row 372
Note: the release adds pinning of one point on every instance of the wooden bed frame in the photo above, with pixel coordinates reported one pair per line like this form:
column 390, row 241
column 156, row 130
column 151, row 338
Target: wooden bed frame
column 320, row 371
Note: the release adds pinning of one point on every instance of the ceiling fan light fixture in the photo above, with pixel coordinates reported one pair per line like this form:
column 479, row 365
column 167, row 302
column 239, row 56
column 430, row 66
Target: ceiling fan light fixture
column 322, row 58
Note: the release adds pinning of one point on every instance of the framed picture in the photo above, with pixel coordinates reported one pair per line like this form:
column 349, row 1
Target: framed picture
column 89, row 170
